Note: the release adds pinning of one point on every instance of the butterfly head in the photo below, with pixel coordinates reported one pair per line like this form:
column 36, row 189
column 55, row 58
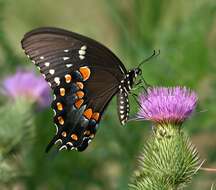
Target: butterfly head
column 134, row 74
column 131, row 78
column 137, row 72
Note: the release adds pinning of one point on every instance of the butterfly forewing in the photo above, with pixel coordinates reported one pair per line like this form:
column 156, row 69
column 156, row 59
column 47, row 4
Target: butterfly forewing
column 59, row 48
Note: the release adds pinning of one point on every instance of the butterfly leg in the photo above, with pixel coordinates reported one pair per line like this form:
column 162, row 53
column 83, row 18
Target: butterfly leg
column 134, row 117
column 145, row 83
column 139, row 85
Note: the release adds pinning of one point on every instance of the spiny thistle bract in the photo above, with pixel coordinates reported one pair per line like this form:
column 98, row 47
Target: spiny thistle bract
column 17, row 127
column 168, row 160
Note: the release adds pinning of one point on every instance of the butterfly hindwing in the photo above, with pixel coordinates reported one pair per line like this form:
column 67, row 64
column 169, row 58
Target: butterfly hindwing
column 77, row 114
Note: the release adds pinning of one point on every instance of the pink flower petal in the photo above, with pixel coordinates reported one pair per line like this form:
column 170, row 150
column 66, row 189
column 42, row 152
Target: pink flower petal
column 28, row 85
column 167, row 105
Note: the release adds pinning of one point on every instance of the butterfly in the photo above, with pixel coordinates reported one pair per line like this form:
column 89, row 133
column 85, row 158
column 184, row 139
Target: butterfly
column 84, row 76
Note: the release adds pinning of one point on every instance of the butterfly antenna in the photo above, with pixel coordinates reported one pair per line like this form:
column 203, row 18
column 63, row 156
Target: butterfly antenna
column 154, row 54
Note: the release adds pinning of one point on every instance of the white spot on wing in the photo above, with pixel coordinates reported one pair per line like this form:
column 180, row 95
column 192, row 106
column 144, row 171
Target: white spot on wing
column 52, row 71
column 57, row 80
column 70, row 143
column 42, row 57
column 66, row 58
column 66, row 50
column 59, row 140
column 54, row 112
column 44, row 76
column 82, row 57
column 83, row 47
column 69, row 65
column 56, row 129
column 82, row 52
column 47, row 64
column 63, row 147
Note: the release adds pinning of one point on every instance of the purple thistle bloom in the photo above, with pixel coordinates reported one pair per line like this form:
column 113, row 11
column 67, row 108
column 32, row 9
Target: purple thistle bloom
column 28, row 85
column 167, row 105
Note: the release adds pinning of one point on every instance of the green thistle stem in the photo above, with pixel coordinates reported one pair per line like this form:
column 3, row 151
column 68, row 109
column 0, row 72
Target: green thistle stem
column 168, row 161
column 16, row 134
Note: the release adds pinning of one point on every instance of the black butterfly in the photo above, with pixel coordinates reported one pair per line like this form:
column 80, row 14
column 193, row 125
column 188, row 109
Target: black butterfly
column 84, row 76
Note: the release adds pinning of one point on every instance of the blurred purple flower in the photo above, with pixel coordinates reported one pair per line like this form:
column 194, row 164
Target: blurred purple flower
column 167, row 105
column 28, row 85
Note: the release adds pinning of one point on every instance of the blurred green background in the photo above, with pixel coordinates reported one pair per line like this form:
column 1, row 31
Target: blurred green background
column 184, row 31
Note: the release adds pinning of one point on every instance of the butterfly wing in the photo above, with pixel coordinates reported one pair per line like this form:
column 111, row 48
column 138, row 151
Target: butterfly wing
column 56, row 51
column 84, row 76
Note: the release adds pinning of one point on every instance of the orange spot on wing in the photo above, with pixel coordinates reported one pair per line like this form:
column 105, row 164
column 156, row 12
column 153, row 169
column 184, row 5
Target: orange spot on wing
column 80, row 85
column 74, row 137
column 62, row 91
column 85, row 72
column 59, row 106
column 61, row 120
column 64, row 134
column 78, row 103
column 96, row 116
column 88, row 113
column 80, row 94
column 68, row 78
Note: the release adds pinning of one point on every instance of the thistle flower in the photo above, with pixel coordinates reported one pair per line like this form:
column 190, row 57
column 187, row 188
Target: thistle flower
column 167, row 105
column 168, row 159
column 26, row 84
